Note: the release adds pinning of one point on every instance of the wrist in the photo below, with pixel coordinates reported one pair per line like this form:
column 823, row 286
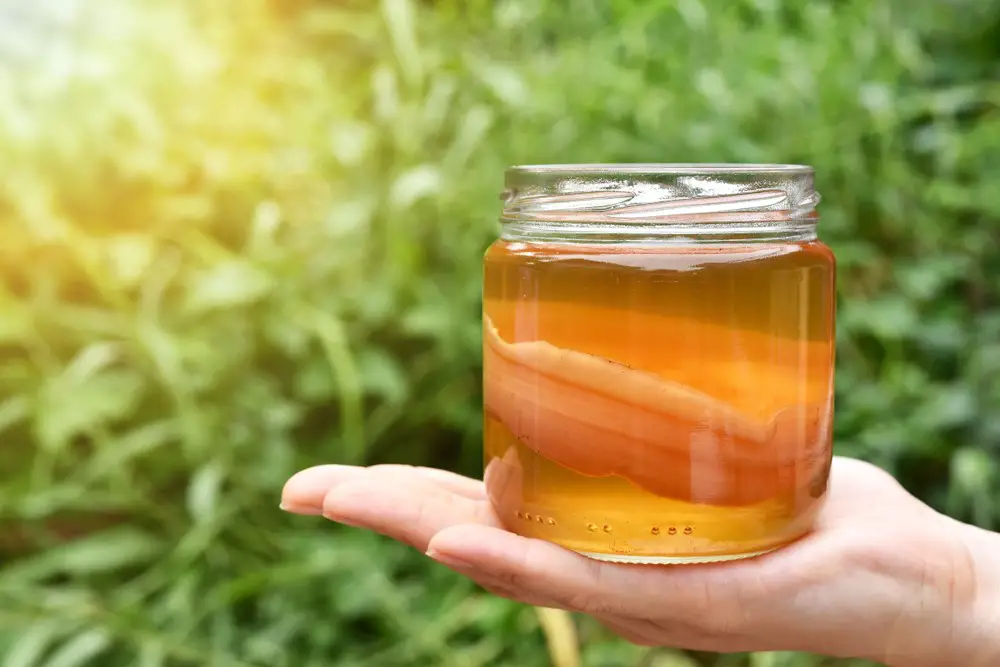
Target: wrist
column 980, row 627
column 964, row 630
column 949, row 603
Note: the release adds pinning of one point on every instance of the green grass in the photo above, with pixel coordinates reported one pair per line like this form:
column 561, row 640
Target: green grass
column 236, row 243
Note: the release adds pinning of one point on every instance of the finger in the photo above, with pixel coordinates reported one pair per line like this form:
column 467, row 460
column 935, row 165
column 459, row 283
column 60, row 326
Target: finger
column 410, row 507
column 700, row 596
column 681, row 636
column 678, row 624
column 457, row 484
column 530, row 568
column 501, row 589
column 630, row 634
column 304, row 492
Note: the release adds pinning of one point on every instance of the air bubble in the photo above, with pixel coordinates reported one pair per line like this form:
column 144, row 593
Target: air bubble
column 519, row 514
column 688, row 530
column 592, row 527
column 527, row 516
column 655, row 530
column 672, row 531
column 552, row 521
column 607, row 528
column 539, row 518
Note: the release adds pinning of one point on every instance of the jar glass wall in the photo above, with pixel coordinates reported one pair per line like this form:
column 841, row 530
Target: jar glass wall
column 658, row 359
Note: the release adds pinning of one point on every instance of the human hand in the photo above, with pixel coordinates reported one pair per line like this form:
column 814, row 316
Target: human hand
column 881, row 576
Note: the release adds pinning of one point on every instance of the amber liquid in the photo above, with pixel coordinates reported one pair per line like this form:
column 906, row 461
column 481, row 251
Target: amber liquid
column 658, row 403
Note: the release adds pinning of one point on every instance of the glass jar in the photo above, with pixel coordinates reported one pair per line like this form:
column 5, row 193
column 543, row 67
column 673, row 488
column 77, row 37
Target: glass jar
column 658, row 359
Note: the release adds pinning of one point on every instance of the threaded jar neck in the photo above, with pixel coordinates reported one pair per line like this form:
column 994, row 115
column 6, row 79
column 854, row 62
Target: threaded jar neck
column 593, row 202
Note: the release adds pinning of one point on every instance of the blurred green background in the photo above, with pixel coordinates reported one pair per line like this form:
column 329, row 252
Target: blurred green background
column 240, row 238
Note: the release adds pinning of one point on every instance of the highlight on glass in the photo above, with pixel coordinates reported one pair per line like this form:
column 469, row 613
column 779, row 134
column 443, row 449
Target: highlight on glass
column 658, row 359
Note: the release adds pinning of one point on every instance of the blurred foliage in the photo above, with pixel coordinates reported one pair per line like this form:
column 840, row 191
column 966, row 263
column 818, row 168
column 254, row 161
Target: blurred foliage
column 239, row 241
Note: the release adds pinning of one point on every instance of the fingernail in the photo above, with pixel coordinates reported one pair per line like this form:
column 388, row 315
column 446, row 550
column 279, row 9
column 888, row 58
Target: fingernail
column 449, row 560
column 303, row 510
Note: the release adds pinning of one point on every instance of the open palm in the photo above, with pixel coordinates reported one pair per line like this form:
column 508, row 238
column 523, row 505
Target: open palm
column 881, row 576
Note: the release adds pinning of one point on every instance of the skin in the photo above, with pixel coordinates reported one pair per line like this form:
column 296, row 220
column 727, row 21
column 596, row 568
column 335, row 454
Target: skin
column 882, row 576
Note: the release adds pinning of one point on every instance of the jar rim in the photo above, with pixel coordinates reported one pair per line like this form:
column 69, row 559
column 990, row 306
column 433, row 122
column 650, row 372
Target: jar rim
column 660, row 168
column 661, row 198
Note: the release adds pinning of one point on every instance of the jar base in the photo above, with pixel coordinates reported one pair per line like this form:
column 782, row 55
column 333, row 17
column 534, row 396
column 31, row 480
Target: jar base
column 672, row 560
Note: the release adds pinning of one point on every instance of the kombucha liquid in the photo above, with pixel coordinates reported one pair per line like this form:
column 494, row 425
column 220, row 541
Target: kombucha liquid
column 658, row 403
